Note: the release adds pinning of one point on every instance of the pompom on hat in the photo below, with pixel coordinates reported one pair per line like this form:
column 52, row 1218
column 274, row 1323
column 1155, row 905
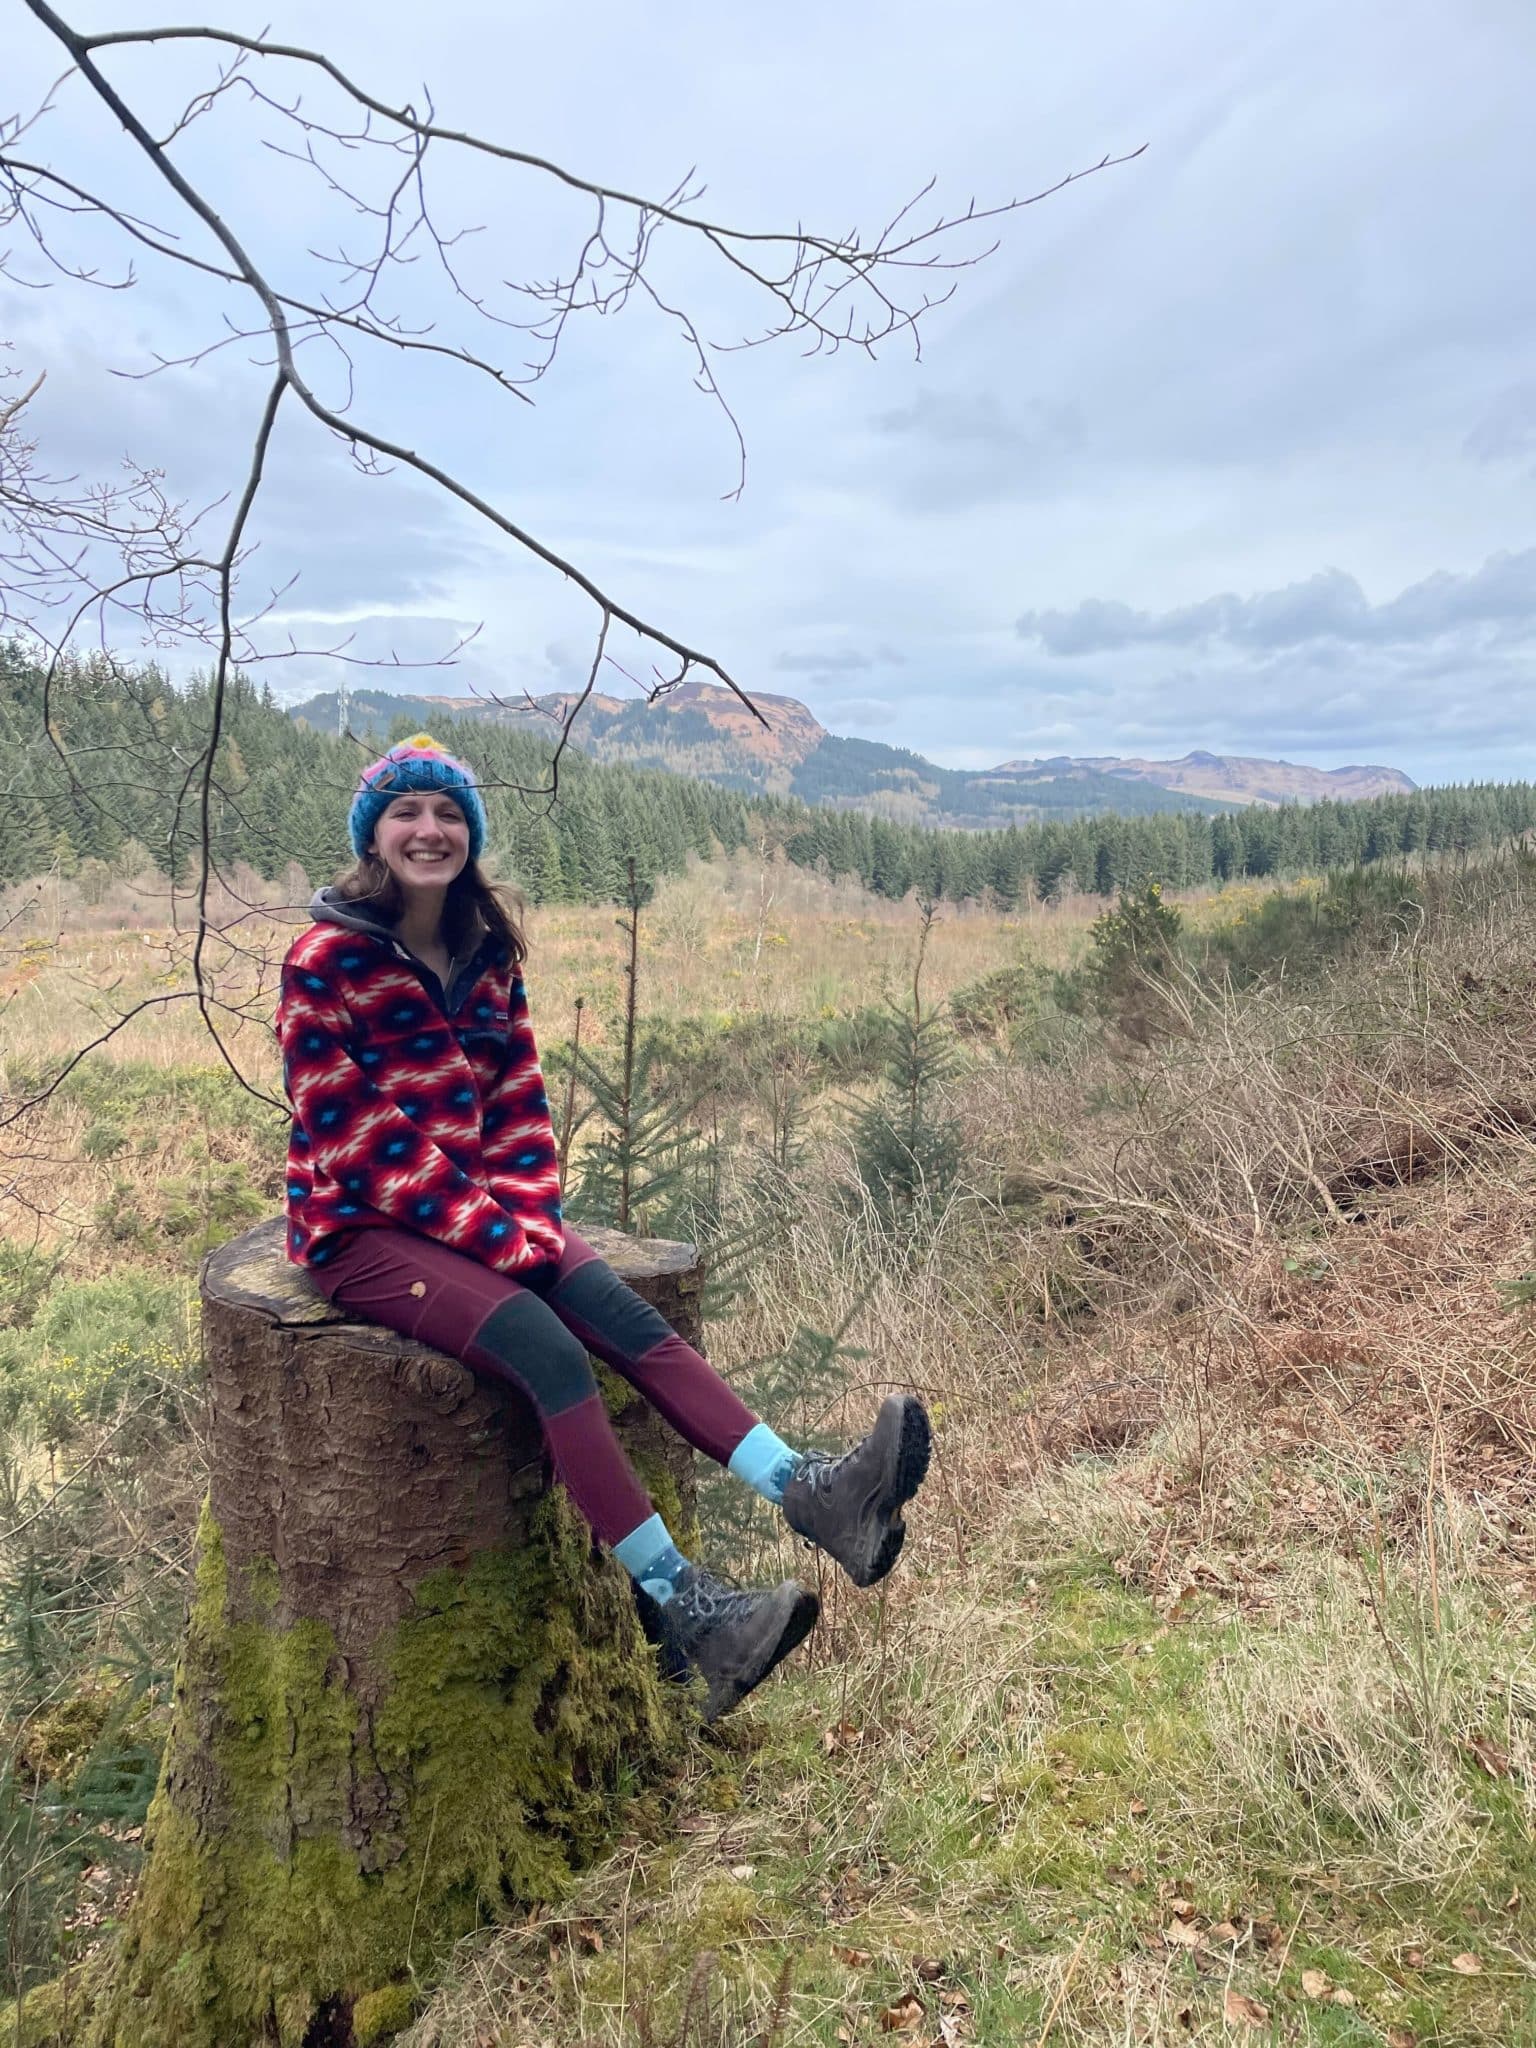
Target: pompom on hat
column 413, row 767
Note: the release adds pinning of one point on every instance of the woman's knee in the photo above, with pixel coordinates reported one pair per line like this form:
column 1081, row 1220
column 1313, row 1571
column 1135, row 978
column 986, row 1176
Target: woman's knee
column 523, row 1341
column 594, row 1296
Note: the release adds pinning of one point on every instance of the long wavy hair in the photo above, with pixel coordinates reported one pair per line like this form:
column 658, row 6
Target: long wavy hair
column 475, row 908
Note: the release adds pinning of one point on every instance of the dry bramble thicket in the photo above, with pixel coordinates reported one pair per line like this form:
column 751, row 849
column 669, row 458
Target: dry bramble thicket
column 1203, row 1704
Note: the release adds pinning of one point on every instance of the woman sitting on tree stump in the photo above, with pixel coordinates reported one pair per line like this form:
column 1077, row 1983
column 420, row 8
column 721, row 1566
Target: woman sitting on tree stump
column 423, row 1194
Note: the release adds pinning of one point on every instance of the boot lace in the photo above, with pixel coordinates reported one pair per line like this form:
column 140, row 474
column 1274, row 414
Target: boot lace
column 703, row 1603
column 819, row 1472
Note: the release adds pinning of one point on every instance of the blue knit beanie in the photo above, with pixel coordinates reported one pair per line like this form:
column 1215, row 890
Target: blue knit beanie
column 415, row 765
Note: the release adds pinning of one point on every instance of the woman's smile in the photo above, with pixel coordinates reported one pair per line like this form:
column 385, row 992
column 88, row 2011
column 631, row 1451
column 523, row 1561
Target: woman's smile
column 423, row 839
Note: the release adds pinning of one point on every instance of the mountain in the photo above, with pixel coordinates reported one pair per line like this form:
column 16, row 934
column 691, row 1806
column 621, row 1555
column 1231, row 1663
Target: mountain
column 706, row 731
column 1231, row 778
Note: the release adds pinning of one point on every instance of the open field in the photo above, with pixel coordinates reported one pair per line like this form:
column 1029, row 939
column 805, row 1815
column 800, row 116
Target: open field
column 1202, row 1706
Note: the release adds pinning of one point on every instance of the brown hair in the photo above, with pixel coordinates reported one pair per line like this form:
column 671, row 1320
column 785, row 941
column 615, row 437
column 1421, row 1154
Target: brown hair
column 474, row 906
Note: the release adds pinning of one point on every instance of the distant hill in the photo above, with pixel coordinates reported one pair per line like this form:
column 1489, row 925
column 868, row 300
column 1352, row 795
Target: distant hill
column 703, row 730
column 1231, row 778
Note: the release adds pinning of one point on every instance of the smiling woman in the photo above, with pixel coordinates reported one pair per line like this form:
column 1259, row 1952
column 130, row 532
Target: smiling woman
column 424, row 1194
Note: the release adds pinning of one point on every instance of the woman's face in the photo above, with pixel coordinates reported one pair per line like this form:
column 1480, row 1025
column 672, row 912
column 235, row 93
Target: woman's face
column 423, row 839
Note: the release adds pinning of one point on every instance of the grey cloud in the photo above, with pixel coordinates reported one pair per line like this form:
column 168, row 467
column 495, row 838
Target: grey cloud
column 951, row 448
column 828, row 662
column 1507, row 430
column 868, row 711
column 350, row 539
column 1330, row 606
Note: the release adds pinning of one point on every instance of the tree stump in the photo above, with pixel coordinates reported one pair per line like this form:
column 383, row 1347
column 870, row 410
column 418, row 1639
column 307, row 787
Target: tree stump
column 412, row 1694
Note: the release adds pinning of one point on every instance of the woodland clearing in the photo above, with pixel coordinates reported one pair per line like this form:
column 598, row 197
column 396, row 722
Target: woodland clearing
column 1203, row 1703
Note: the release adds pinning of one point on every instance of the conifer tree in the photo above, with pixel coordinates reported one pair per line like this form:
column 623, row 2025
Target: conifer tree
column 907, row 1149
column 634, row 1169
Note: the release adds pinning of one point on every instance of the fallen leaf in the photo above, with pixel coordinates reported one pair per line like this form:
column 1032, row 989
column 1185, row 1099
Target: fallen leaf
column 928, row 1968
column 904, row 2017
column 590, row 1938
column 844, row 1735
column 1183, row 1907
column 1223, row 1931
column 742, row 1871
column 1466, row 1964
column 1402, row 2037
column 1413, row 1959
column 1240, row 2008
column 855, row 1958
column 1179, row 1934
column 1316, row 1983
column 1138, row 1807
column 1343, row 1997
column 1495, row 1761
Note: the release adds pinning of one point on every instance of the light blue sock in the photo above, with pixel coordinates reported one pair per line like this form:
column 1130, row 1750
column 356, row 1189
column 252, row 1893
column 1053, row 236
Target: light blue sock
column 765, row 1461
column 652, row 1559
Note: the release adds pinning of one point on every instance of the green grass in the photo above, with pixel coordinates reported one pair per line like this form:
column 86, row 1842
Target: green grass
column 1026, row 1783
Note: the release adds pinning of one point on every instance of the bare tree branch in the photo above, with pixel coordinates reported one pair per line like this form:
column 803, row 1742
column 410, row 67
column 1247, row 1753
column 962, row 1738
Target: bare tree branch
column 126, row 560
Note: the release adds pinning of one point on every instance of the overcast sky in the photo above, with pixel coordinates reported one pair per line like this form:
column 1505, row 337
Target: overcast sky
column 1233, row 446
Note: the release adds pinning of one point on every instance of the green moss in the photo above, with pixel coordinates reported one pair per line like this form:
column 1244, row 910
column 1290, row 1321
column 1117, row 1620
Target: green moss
column 616, row 1391
column 619, row 1399
column 378, row 2014
column 59, row 1738
column 50, row 2017
column 521, row 1705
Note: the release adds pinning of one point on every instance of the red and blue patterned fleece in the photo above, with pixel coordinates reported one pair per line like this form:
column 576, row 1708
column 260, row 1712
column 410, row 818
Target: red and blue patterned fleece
column 413, row 1106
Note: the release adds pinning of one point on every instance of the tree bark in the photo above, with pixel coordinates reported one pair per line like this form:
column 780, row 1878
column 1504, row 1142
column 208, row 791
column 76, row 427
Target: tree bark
column 413, row 1693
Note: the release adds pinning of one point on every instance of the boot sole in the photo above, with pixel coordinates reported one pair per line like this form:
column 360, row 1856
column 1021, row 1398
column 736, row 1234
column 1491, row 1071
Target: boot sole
column 908, row 1470
column 728, row 1693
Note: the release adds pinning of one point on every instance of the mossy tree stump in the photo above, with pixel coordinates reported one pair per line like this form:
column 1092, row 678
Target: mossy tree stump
column 412, row 1693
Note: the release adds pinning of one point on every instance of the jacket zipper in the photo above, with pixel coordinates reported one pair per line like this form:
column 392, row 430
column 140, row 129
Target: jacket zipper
column 434, row 987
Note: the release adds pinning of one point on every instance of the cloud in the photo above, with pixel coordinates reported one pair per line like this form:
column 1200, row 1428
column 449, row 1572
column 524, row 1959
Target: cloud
column 947, row 449
column 827, row 662
column 1162, row 386
column 1498, row 599
column 1507, row 430
column 868, row 711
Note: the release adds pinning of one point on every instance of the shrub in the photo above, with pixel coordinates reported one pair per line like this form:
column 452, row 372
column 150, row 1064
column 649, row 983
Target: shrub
column 1012, row 1004
column 1304, row 932
column 26, row 1274
column 1135, row 953
column 90, row 1346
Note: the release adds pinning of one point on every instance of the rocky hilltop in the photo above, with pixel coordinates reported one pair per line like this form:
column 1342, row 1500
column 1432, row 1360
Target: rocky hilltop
column 706, row 731
column 1231, row 778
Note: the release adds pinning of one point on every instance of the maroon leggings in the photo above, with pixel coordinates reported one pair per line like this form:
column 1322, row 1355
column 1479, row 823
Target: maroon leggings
column 536, row 1332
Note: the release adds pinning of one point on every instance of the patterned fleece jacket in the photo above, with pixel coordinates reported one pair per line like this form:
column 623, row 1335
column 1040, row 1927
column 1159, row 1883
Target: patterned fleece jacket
column 412, row 1106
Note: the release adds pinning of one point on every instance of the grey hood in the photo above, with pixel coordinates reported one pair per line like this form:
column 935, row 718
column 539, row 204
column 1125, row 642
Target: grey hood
column 326, row 907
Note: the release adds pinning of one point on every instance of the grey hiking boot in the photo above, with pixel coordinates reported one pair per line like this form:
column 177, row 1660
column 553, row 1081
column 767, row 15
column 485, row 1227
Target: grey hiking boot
column 734, row 1639
column 851, row 1506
